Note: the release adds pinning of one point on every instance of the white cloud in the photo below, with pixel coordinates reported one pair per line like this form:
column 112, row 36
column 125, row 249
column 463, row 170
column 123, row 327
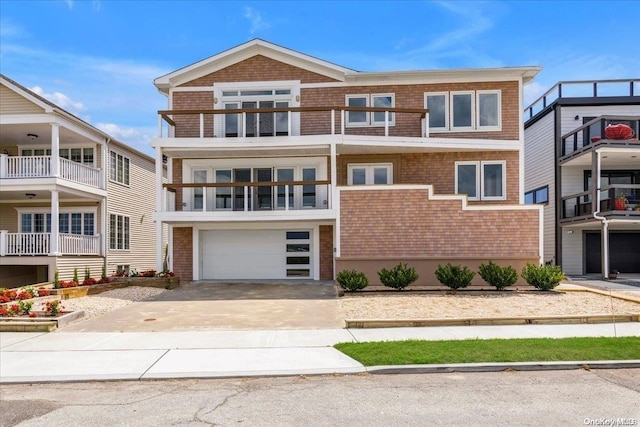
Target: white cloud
column 255, row 17
column 136, row 137
column 60, row 99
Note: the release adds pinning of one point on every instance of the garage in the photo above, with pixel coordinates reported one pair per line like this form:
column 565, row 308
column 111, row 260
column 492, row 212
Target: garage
column 624, row 252
column 256, row 254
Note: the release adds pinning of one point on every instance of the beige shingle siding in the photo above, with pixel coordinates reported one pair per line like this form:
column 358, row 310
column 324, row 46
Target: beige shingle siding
column 137, row 201
column 12, row 103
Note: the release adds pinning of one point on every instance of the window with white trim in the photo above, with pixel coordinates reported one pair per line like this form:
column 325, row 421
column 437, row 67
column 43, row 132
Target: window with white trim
column 481, row 180
column 119, row 232
column 71, row 222
column 118, row 168
column 464, row 110
column 79, row 155
column 370, row 174
column 364, row 118
column 257, row 124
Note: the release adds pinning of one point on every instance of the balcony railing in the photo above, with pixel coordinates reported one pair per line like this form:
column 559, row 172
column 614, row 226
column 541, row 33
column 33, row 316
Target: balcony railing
column 593, row 132
column 40, row 244
column 20, row 167
column 581, row 204
column 583, row 89
column 279, row 121
column 247, row 197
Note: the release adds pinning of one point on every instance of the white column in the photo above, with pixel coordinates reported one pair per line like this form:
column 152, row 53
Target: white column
column 55, row 223
column 334, row 176
column 105, row 165
column 55, row 149
column 4, row 159
column 103, row 229
column 159, row 208
column 3, row 242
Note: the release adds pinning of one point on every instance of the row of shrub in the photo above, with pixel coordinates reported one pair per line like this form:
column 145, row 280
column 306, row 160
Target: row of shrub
column 544, row 277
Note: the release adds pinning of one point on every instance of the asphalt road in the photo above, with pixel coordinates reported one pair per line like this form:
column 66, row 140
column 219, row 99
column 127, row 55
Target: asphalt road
column 567, row 398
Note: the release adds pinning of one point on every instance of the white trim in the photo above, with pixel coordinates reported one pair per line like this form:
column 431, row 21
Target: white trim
column 348, row 122
column 108, row 235
column 315, row 255
column 392, row 121
column 369, row 172
column 498, row 94
column 502, row 163
column 444, row 128
column 472, row 97
column 478, row 178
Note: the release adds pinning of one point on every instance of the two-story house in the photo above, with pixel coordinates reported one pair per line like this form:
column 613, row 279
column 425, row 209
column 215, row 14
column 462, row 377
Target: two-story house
column 567, row 145
column 71, row 196
column 285, row 166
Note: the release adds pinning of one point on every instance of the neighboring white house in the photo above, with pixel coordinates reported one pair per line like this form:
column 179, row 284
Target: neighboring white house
column 565, row 146
column 71, row 196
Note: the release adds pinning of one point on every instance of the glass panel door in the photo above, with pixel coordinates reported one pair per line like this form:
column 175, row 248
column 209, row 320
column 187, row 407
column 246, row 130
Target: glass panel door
column 199, row 176
column 282, row 120
column 241, row 175
column 266, row 119
column 231, row 121
column 251, row 119
column 263, row 194
column 283, row 175
column 309, row 191
column 223, row 194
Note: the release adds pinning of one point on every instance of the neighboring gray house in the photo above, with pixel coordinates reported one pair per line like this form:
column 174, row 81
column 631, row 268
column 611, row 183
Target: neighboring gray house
column 70, row 195
column 565, row 147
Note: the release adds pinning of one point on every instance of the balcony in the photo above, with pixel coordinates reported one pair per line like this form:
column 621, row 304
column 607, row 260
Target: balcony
column 21, row 167
column 39, row 244
column 592, row 134
column 255, row 123
column 580, row 207
column 247, row 197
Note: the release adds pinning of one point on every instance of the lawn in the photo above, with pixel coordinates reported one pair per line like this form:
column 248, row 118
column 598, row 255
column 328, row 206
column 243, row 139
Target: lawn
column 495, row 350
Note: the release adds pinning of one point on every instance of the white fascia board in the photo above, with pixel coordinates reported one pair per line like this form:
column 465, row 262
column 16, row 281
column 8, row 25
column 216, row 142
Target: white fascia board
column 246, row 51
column 445, row 143
column 46, row 107
column 20, row 119
column 245, row 217
column 97, row 137
column 295, row 142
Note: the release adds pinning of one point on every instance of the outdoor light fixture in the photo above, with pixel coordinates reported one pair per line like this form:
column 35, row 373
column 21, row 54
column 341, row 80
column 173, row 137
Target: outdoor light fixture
column 32, row 136
column 30, row 195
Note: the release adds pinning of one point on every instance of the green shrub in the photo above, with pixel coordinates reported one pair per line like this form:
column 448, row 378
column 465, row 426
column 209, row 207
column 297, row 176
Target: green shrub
column 103, row 275
column 544, row 277
column 87, row 273
column 498, row 276
column 454, row 276
column 352, row 280
column 75, row 275
column 56, row 279
column 399, row 277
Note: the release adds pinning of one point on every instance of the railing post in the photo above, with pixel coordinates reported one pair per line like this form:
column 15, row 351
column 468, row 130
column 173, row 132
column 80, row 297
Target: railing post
column 3, row 242
column 286, row 197
column 246, row 198
column 55, row 150
column 201, row 125
column 160, row 126
column 333, row 122
column 244, row 124
column 204, row 199
column 386, row 123
column 342, row 116
column 4, row 159
column 288, row 123
column 55, row 224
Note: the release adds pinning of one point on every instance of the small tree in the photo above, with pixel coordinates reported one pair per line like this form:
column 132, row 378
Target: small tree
column 103, row 275
column 544, row 277
column 75, row 275
column 399, row 277
column 87, row 273
column 56, row 279
column 500, row 277
column 352, row 280
column 454, row 276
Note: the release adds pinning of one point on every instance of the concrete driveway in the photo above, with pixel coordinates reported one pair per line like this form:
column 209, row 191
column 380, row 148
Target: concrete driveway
column 214, row 305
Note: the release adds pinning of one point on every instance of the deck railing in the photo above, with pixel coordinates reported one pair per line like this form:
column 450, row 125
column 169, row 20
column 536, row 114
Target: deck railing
column 19, row 167
column 248, row 197
column 40, row 244
column 581, row 204
column 593, row 132
column 583, row 89
column 281, row 121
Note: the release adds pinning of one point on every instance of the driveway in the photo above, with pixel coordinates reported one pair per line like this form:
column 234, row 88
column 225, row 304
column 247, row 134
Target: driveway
column 213, row 305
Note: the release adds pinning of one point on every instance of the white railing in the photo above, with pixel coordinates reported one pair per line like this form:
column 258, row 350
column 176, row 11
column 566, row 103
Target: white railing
column 27, row 243
column 79, row 244
column 41, row 167
column 77, row 172
column 28, row 166
column 40, row 244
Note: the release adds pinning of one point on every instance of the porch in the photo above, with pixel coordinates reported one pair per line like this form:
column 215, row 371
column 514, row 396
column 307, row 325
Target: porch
column 620, row 202
column 39, row 244
column 30, row 167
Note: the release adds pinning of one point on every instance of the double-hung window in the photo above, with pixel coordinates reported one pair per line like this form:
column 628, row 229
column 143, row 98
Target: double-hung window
column 68, row 222
column 484, row 180
column 464, row 111
column 370, row 174
column 357, row 118
column 119, row 232
column 118, row 168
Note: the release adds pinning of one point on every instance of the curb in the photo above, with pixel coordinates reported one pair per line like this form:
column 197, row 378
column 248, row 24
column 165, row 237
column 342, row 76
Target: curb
column 500, row 367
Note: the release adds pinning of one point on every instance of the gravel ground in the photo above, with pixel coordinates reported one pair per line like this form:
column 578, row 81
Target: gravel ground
column 422, row 306
column 96, row 305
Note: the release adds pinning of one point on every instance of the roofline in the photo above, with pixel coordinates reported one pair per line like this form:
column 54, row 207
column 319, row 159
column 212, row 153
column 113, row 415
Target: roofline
column 50, row 107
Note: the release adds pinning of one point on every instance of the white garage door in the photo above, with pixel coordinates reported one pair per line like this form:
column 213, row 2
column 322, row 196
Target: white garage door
column 256, row 254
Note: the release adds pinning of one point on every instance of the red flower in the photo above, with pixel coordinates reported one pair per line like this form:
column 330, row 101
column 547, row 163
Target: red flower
column 4, row 311
column 32, row 314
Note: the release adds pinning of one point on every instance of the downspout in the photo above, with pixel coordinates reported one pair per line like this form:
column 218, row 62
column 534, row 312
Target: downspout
column 605, row 222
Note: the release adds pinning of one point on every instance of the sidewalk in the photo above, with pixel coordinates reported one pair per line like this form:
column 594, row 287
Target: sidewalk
column 96, row 356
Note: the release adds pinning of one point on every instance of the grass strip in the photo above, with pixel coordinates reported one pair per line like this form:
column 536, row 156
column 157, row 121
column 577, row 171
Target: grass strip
column 412, row 352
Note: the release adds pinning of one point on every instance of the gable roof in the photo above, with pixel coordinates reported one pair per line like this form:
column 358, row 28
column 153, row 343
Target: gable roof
column 340, row 74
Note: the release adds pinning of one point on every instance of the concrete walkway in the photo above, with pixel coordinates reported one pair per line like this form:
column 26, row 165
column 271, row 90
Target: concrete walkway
column 94, row 356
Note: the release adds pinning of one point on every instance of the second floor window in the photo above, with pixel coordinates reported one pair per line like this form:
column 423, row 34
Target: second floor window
column 118, row 168
column 364, row 118
column 464, row 110
column 484, row 180
column 78, row 155
column 539, row 195
column 370, row 174
column 69, row 222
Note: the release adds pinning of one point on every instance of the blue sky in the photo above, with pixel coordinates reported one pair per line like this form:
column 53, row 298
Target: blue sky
column 98, row 59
